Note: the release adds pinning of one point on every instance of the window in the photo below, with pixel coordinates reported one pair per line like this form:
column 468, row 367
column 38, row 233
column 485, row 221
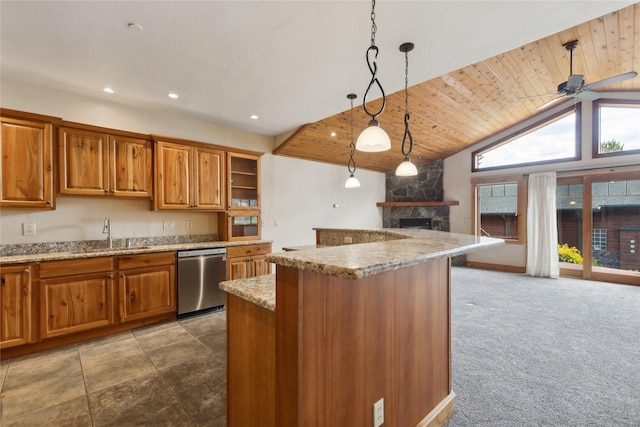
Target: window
column 497, row 209
column 550, row 140
column 616, row 128
column 599, row 239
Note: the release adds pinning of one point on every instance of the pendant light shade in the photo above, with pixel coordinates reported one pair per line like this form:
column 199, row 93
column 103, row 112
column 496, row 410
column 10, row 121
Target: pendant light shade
column 352, row 181
column 406, row 168
column 373, row 138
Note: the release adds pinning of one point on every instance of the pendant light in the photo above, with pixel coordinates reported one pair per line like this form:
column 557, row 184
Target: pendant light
column 352, row 181
column 373, row 138
column 406, row 168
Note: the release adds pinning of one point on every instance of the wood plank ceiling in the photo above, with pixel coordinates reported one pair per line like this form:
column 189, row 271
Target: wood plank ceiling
column 461, row 108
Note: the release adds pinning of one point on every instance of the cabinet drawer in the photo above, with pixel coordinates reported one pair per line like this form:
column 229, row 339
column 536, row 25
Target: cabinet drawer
column 75, row 267
column 248, row 250
column 126, row 262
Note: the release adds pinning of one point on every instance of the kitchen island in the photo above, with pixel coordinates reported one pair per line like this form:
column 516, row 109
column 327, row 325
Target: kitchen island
column 350, row 325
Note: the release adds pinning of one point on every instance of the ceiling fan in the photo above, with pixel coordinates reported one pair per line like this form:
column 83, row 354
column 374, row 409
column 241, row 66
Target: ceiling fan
column 575, row 85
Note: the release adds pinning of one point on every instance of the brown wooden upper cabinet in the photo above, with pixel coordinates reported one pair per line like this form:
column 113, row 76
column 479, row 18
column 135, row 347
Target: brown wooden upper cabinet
column 26, row 167
column 103, row 162
column 243, row 181
column 188, row 176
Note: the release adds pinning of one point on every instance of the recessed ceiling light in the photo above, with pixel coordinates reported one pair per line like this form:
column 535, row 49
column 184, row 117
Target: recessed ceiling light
column 254, row 117
column 108, row 90
column 333, row 134
column 173, row 95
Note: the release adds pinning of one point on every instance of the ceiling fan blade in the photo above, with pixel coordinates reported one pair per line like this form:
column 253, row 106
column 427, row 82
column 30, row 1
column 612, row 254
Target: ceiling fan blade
column 611, row 80
column 548, row 104
column 574, row 82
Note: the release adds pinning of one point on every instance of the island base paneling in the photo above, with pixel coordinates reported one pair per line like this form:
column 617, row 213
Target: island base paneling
column 356, row 341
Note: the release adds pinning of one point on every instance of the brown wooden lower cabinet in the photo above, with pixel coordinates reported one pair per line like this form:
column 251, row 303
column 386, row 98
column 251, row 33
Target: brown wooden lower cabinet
column 55, row 303
column 147, row 285
column 16, row 326
column 247, row 261
column 75, row 295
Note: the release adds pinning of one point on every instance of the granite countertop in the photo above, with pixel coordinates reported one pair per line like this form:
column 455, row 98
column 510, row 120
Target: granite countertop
column 260, row 290
column 52, row 256
column 410, row 247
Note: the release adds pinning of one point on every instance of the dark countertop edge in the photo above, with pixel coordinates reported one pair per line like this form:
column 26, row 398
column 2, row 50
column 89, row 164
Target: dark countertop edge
column 55, row 256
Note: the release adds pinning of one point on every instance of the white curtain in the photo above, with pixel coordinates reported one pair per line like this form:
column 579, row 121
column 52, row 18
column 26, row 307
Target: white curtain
column 542, row 230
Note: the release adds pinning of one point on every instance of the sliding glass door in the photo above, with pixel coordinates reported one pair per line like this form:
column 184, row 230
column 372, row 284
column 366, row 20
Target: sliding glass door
column 599, row 226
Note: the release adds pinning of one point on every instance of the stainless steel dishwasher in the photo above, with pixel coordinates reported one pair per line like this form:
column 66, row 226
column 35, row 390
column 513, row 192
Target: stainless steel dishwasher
column 200, row 271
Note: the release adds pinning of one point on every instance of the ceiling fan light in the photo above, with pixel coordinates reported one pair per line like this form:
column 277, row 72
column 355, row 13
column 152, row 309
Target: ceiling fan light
column 352, row 182
column 373, row 139
column 406, row 168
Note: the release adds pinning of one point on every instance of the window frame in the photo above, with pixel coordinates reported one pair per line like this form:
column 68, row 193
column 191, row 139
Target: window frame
column 521, row 213
column 595, row 122
column 540, row 123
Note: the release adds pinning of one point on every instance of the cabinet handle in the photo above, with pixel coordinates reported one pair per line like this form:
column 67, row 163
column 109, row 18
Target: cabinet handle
column 110, row 276
column 27, row 270
column 2, row 281
column 49, row 202
column 25, row 290
column 132, row 297
column 106, row 191
column 63, row 302
column 122, row 276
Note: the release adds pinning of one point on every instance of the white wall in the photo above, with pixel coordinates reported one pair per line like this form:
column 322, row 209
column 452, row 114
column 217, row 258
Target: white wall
column 457, row 180
column 296, row 195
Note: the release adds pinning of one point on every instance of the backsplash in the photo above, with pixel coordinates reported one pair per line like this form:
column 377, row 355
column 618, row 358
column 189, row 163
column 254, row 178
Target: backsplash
column 86, row 245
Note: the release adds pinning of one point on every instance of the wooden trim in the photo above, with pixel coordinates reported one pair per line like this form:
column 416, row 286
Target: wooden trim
column 162, row 138
column 92, row 128
column 15, row 114
column 408, row 204
column 496, row 267
column 286, row 142
column 440, row 414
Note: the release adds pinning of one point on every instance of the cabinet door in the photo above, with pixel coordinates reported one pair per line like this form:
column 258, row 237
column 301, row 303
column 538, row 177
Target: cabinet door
column 173, row 169
column 260, row 266
column 15, row 300
column 147, row 292
column 83, row 162
column 73, row 304
column 243, row 181
column 27, row 164
column 131, row 164
column 208, row 174
column 239, row 268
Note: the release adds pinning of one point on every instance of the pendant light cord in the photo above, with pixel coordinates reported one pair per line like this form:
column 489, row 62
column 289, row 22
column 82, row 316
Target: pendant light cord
column 351, row 165
column 372, row 55
column 407, row 132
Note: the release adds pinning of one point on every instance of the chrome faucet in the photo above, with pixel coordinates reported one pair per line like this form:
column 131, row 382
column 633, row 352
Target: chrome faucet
column 107, row 230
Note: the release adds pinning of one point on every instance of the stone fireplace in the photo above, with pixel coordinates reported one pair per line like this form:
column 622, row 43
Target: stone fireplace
column 420, row 196
column 425, row 190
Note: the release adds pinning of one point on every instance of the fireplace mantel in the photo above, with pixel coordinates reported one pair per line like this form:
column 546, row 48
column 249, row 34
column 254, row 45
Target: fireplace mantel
column 411, row 204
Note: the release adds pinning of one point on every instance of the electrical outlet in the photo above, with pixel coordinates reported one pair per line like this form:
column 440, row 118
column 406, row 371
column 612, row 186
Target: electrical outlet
column 28, row 228
column 348, row 240
column 188, row 224
column 378, row 413
column 168, row 225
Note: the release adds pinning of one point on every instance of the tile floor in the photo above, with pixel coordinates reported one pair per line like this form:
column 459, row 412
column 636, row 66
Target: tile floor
column 173, row 374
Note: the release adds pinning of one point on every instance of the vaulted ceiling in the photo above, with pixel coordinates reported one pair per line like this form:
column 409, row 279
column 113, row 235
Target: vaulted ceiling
column 293, row 63
column 458, row 109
